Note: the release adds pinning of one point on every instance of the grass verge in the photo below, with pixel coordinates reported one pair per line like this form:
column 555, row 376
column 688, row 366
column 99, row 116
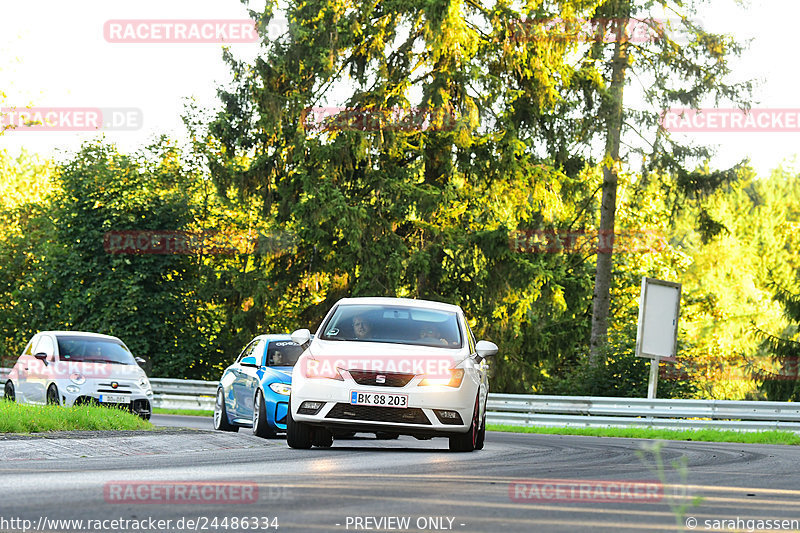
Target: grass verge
column 185, row 412
column 18, row 418
column 704, row 435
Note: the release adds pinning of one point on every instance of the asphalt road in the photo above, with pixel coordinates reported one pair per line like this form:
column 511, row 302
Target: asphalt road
column 517, row 483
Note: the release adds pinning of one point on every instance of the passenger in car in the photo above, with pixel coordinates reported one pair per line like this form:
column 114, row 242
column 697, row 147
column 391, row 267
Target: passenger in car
column 431, row 333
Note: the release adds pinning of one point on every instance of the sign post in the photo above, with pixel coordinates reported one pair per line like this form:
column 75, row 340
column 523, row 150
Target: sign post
column 657, row 331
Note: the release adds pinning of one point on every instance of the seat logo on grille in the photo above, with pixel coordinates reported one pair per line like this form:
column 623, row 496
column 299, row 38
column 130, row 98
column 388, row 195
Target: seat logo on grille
column 380, row 378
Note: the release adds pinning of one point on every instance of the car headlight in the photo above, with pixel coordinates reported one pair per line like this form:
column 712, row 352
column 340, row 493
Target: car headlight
column 77, row 378
column 456, row 377
column 281, row 388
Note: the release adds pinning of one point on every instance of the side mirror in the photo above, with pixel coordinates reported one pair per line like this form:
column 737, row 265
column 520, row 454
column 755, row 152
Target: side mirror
column 41, row 356
column 301, row 337
column 248, row 361
column 139, row 361
column 485, row 349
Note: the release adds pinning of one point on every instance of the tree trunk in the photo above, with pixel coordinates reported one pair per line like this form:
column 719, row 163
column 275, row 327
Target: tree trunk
column 608, row 207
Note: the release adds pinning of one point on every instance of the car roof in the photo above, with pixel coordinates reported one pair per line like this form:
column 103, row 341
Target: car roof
column 275, row 336
column 79, row 334
column 402, row 302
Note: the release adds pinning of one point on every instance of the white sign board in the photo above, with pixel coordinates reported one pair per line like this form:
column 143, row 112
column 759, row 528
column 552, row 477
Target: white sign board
column 659, row 309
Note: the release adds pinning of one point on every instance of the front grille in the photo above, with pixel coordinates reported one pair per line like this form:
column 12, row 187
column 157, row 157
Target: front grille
column 346, row 411
column 392, row 379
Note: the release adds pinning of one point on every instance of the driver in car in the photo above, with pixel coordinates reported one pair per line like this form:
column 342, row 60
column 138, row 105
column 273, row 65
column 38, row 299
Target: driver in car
column 361, row 327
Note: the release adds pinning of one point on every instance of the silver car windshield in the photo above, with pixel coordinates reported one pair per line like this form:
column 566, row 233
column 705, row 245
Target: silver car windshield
column 93, row 350
column 393, row 324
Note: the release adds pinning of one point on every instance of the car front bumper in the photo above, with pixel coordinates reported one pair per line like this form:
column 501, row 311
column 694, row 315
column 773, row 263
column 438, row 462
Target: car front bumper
column 136, row 399
column 422, row 417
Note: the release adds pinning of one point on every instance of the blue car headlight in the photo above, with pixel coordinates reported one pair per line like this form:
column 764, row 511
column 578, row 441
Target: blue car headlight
column 281, row 388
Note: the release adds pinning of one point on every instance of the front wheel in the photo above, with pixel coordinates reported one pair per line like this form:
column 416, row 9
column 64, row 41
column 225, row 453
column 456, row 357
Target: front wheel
column 9, row 392
column 52, row 395
column 466, row 442
column 322, row 438
column 221, row 414
column 260, row 425
column 298, row 435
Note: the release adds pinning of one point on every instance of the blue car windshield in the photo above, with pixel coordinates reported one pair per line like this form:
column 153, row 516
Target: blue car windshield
column 394, row 324
column 283, row 353
column 93, row 349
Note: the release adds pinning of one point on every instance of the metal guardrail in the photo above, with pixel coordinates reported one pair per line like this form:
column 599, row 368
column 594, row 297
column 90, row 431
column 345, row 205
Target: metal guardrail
column 560, row 411
column 592, row 412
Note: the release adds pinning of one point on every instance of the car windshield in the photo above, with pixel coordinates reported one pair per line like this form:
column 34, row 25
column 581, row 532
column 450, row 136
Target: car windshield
column 94, row 349
column 393, row 324
column 283, row 353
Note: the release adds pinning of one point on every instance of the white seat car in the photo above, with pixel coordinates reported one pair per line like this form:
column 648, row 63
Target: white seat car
column 390, row 366
column 73, row 367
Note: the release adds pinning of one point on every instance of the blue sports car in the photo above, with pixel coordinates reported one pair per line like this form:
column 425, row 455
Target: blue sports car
column 254, row 390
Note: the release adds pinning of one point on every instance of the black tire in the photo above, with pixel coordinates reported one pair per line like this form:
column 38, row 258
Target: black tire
column 260, row 425
column 221, row 414
column 52, row 395
column 298, row 435
column 481, row 435
column 9, row 392
column 322, row 438
column 466, row 442
column 385, row 435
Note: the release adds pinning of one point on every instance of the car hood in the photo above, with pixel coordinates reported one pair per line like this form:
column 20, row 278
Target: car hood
column 286, row 371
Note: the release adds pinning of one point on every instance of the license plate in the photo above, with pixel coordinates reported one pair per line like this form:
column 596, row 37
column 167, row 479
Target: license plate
column 380, row 399
column 114, row 398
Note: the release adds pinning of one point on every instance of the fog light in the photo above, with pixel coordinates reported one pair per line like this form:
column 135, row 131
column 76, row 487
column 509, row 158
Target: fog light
column 310, row 408
column 72, row 389
column 448, row 417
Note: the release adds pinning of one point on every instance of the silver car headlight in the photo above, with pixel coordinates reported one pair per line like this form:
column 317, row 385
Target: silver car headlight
column 283, row 389
column 77, row 378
